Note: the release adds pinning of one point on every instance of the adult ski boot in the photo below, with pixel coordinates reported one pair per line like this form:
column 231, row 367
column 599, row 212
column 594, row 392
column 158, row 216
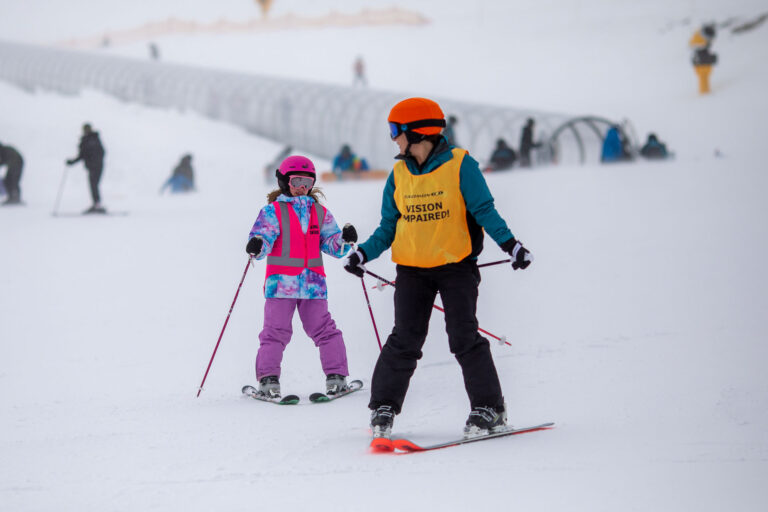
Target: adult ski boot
column 485, row 420
column 382, row 419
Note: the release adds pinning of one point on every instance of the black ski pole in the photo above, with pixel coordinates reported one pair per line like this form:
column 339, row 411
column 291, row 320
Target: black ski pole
column 384, row 282
column 61, row 190
column 494, row 263
column 502, row 339
column 370, row 310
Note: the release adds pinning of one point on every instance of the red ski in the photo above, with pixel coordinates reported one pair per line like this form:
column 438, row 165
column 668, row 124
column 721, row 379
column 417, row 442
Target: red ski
column 382, row 445
column 405, row 446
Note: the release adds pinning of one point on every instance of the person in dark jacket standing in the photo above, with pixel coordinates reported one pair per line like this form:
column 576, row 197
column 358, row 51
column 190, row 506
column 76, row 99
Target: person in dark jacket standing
column 11, row 158
column 449, row 132
column 526, row 143
column 91, row 152
column 436, row 205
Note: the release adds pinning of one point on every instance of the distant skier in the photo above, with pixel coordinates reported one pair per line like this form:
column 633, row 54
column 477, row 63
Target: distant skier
column 703, row 58
column 653, row 149
column 614, row 146
column 449, row 132
column 503, row 157
column 358, row 68
column 346, row 160
column 154, row 51
column 91, row 152
column 12, row 159
column 526, row 143
column 291, row 232
column 436, row 205
column 183, row 177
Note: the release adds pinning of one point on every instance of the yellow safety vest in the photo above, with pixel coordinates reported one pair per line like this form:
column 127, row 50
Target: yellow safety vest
column 432, row 229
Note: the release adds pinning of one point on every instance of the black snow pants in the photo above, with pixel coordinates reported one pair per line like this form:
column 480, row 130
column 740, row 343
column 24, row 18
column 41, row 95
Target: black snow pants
column 11, row 182
column 94, row 176
column 415, row 292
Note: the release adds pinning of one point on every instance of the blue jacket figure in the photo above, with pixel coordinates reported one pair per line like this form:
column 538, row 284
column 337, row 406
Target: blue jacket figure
column 346, row 160
column 183, row 177
column 614, row 149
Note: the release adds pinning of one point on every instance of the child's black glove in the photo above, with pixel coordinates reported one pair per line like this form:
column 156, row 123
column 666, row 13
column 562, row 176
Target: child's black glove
column 355, row 263
column 348, row 233
column 521, row 257
column 254, row 246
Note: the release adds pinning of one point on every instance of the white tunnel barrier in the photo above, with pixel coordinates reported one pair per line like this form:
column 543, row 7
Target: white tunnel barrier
column 311, row 117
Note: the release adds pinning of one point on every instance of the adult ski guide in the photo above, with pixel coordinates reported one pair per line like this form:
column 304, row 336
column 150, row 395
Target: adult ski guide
column 405, row 446
column 352, row 386
column 258, row 395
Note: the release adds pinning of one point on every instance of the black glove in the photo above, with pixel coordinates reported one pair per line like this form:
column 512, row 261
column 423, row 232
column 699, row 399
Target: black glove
column 349, row 234
column 354, row 263
column 254, row 246
column 521, row 257
column 70, row 162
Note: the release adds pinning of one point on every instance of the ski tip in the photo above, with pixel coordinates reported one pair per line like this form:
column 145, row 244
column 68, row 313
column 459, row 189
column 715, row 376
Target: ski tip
column 405, row 445
column 289, row 400
column 319, row 398
column 381, row 445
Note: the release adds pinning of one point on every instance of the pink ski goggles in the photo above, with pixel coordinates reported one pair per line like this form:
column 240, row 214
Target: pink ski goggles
column 301, row 181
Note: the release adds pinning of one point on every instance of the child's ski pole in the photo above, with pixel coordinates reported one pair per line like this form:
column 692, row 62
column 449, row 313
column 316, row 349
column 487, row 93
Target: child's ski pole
column 225, row 326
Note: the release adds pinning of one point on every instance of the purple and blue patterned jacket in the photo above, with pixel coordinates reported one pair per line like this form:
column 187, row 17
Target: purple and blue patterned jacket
column 308, row 284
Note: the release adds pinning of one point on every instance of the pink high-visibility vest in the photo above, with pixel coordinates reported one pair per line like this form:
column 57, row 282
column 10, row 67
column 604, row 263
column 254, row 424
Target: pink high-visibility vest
column 294, row 250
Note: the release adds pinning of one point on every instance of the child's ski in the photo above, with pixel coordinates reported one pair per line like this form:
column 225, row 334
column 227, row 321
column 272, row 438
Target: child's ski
column 255, row 393
column 406, row 446
column 319, row 398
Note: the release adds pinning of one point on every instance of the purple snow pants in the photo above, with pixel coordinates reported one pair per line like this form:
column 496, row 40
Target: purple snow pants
column 318, row 324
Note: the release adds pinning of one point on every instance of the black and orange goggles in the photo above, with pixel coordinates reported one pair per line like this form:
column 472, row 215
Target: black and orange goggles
column 396, row 129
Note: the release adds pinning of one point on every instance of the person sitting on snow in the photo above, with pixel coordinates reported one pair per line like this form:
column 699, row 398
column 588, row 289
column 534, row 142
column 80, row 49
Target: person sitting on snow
column 503, row 157
column 346, row 160
column 654, row 149
column 183, row 178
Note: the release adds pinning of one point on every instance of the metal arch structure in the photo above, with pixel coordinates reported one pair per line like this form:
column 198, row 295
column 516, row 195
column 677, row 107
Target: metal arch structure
column 311, row 117
column 591, row 123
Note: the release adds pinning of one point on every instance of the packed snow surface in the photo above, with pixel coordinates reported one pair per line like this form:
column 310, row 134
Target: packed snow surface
column 639, row 329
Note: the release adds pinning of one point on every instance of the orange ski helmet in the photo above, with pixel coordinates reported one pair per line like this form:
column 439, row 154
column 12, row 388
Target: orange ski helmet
column 416, row 116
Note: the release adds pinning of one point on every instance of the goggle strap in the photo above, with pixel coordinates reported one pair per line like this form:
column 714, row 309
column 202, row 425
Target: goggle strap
column 423, row 123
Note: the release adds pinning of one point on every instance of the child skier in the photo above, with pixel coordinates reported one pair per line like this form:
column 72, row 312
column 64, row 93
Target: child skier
column 291, row 232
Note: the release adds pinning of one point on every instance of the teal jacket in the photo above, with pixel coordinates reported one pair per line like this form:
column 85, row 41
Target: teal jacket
column 481, row 211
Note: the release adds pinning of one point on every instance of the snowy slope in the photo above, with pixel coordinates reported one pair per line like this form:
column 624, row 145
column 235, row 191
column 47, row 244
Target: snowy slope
column 639, row 329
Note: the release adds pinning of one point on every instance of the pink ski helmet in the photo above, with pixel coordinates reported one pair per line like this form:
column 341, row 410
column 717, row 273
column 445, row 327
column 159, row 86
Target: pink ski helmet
column 297, row 165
